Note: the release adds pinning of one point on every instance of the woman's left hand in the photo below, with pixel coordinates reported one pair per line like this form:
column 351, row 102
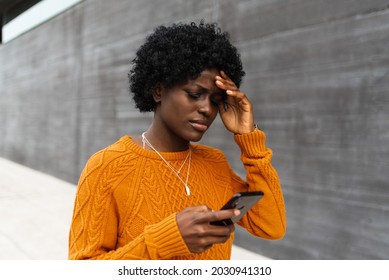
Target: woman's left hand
column 236, row 111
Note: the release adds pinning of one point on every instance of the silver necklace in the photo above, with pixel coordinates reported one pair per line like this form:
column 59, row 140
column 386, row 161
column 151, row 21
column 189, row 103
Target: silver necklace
column 177, row 173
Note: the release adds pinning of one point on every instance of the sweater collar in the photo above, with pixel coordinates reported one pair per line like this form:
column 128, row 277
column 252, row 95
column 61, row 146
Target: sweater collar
column 170, row 156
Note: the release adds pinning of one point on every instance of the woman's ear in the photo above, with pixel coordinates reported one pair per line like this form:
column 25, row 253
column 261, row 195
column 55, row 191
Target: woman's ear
column 157, row 92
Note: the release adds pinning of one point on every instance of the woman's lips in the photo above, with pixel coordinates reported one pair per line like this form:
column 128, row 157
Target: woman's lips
column 199, row 126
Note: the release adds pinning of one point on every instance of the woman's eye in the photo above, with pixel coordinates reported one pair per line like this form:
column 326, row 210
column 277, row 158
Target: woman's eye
column 194, row 95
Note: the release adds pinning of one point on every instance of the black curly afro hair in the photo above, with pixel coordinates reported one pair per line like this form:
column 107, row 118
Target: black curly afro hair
column 178, row 53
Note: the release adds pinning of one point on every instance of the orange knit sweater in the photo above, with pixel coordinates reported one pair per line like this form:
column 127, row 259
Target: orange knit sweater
column 127, row 200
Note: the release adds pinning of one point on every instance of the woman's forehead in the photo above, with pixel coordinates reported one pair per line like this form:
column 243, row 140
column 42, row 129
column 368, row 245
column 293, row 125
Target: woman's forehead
column 205, row 81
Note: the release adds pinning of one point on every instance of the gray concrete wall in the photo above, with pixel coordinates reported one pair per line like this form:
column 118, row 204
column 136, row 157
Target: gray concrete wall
column 317, row 72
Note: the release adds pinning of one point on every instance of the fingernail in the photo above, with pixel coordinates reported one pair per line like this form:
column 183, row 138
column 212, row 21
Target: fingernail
column 229, row 91
column 237, row 212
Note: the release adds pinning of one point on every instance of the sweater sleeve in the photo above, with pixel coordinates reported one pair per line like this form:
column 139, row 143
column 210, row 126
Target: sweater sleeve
column 94, row 228
column 267, row 219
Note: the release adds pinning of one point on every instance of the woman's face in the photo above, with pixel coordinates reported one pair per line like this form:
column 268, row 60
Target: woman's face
column 188, row 110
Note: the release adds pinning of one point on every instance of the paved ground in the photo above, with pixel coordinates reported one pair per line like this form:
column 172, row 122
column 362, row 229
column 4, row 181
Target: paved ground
column 35, row 215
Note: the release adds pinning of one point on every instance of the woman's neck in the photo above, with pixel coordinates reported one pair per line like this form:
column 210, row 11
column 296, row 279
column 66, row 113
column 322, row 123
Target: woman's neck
column 164, row 140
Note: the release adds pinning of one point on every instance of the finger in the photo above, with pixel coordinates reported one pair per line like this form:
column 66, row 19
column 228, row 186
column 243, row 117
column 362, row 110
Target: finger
column 196, row 213
column 238, row 96
column 205, row 231
column 207, row 242
column 227, row 78
column 194, row 209
column 218, row 215
column 224, row 86
column 220, row 84
column 226, row 82
column 210, row 240
column 222, row 215
column 216, row 230
column 224, row 75
column 199, row 208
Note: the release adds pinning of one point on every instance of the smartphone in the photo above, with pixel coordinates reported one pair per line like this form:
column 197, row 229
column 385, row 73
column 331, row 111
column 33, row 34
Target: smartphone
column 242, row 201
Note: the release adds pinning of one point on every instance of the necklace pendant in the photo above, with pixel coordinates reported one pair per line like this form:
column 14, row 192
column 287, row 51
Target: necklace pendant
column 187, row 190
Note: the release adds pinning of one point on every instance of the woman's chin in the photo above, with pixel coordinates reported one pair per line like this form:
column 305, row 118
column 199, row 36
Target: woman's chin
column 196, row 138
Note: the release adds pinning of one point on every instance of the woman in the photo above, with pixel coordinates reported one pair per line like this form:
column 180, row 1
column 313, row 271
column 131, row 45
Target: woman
column 155, row 195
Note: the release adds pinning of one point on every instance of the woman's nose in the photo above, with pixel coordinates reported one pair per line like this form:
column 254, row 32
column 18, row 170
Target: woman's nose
column 205, row 106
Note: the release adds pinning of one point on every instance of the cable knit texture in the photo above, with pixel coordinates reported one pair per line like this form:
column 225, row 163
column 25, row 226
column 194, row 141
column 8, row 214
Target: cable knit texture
column 127, row 200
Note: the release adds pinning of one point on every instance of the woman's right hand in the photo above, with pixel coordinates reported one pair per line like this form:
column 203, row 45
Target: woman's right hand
column 196, row 230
